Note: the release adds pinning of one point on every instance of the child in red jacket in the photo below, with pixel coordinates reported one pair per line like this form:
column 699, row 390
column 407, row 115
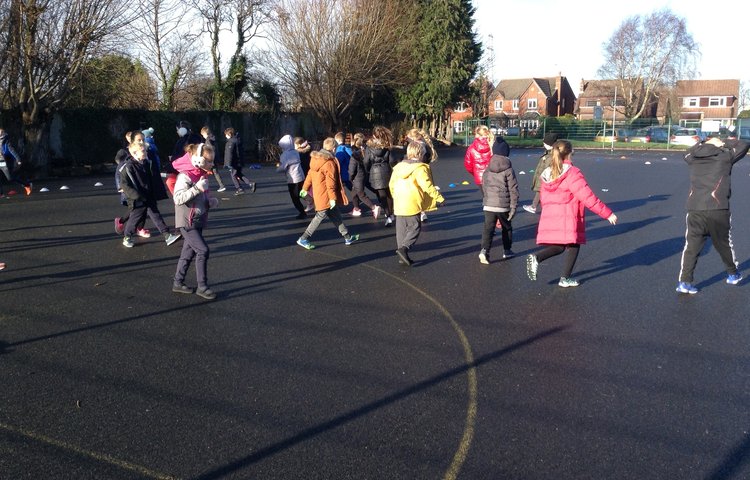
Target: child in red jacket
column 564, row 195
column 478, row 155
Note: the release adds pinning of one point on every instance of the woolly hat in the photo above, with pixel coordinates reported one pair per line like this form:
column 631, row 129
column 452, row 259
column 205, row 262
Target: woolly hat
column 149, row 132
column 550, row 138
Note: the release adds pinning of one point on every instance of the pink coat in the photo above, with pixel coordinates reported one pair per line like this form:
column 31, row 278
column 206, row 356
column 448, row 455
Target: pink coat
column 564, row 201
column 477, row 158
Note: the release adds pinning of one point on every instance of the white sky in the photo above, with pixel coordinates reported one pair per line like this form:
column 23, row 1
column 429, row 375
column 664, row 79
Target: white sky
column 539, row 38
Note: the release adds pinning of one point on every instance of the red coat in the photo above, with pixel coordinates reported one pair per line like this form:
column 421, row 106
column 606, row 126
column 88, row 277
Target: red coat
column 477, row 158
column 564, row 201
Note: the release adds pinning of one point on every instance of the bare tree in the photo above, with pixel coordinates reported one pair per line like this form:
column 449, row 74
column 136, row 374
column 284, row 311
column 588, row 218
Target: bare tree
column 47, row 43
column 646, row 53
column 333, row 53
column 165, row 34
column 243, row 17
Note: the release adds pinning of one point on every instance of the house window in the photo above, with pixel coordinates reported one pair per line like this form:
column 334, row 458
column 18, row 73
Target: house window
column 461, row 107
column 515, row 104
column 458, row 126
column 716, row 101
column 531, row 104
column 690, row 102
column 498, row 105
column 592, row 103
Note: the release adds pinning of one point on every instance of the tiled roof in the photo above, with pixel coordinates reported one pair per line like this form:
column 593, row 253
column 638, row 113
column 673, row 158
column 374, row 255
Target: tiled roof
column 694, row 88
column 513, row 88
column 598, row 88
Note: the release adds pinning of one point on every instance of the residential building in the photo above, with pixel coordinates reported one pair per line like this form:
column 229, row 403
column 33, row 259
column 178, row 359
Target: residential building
column 605, row 99
column 521, row 102
column 703, row 100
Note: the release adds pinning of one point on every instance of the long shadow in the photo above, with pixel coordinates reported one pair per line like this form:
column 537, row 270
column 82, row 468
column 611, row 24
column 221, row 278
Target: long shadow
column 366, row 409
column 642, row 256
column 732, row 463
column 622, row 205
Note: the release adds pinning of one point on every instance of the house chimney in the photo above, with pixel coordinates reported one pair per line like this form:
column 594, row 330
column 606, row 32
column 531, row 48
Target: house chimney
column 558, row 86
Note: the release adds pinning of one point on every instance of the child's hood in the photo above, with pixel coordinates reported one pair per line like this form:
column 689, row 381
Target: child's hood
column 482, row 145
column 499, row 163
column 405, row 168
column 286, row 143
column 550, row 184
column 319, row 158
column 184, row 164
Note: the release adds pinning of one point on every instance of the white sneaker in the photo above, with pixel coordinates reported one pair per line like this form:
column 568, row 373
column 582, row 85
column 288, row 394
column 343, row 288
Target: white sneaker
column 389, row 221
column 529, row 208
column 376, row 212
column 422, row 216
column 356, row 212
column 221, row 189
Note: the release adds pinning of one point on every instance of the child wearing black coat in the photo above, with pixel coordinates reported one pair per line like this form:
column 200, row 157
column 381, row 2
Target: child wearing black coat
column 499, row 200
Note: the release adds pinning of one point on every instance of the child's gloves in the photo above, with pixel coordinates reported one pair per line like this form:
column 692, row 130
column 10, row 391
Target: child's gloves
column 511, row 214
column 302, row 193
column 213, row 202
column 332, row 203
column 202, row 184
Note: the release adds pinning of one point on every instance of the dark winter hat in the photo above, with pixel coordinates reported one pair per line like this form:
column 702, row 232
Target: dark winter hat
column 550, row 138
column 501, row 147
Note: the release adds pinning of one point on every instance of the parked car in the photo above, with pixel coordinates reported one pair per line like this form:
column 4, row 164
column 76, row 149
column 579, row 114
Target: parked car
column 659, row 134
column 513, row 131
column 642, row 135
column 686, row 136
column 620, row 135
column 743, row 133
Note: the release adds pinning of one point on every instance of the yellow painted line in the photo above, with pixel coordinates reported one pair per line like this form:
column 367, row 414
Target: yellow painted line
column 471, row 372
column 100, row 457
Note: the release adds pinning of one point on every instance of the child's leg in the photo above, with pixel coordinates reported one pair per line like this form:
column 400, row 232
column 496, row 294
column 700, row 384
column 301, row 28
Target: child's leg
column 335, row 216
column 294, row 189
column 549, row 251
column 186, row 256
column 136, row 215
column 314, row 224
column 362, row 195
column 194, row 236
column 215, row 171
column 355, row 199
column 407, row 234
column 490, row 219
column 570, row 259
column 235, row 178
column 507, row 232
column 155, row 216
column 535, row 202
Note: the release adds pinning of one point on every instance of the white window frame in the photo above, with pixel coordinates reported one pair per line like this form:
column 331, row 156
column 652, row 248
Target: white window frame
column 498, row 105
column 717, row 101
column 690, row 102
column 532, row 104
column 515, row 104
column 458, row 126
column 460, row 107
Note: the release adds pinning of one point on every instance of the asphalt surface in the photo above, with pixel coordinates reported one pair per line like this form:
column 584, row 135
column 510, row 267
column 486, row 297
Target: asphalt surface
column 339, row 363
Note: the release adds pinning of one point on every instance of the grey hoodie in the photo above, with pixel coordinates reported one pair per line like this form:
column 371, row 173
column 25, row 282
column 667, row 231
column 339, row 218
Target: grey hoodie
column 500, row 186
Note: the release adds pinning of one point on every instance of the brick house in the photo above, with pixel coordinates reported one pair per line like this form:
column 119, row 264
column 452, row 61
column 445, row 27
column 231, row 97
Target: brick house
column 521, row 102
column 596, row 99
column 699, row 100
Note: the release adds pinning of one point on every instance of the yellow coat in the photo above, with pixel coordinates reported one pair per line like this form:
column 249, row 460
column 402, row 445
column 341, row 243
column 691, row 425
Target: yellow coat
column 412, row 188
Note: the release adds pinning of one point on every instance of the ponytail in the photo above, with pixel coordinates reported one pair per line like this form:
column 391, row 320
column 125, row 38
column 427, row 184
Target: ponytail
column 561, row 150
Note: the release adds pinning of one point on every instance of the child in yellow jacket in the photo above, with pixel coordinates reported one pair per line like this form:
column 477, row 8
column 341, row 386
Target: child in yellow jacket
column 413, row 192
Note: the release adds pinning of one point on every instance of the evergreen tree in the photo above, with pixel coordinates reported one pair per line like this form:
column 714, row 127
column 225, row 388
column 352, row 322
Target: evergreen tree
column 448, row 53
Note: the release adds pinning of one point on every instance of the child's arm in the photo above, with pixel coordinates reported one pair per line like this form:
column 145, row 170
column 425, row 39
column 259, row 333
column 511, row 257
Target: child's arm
column 513, row 190
column 424, row 181
column 184, row 190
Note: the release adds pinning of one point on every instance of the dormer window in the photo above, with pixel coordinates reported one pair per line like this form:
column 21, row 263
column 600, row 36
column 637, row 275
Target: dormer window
column 531, row 104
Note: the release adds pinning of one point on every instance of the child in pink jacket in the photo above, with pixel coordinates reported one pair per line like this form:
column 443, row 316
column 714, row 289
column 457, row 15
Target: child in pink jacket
column 562, row 227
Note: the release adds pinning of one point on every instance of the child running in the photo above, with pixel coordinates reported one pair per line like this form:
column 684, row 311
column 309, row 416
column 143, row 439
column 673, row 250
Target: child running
column 328, row 193
column 564, row 197
column 413, row 192
column 289, row 163
column 192, row 203
column 357, row 177
column 500, row 199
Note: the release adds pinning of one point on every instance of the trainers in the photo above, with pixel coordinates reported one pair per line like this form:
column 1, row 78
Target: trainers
column 566, row 282
column 734, row 279
column 403, row 255
column 389, row 221
column 356, row 212
column 221, row 189
column 376, row 211
column 422, row 217
column 351, row 239
column 181, row 288
column 239, row 191
column 172, row 237
column 531, row 266
column 508, row 254
column 119, row 226
column 529, row 208
column 206, row 293
column 310, row 208
column 685, row 287
column 28, row 189
column 253, row 186
column 305, row 243
column 143, row 233
column 128, row 242
column 484, row 257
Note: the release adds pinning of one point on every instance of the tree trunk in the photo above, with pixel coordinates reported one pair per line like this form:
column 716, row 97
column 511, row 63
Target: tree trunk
column 36, row 138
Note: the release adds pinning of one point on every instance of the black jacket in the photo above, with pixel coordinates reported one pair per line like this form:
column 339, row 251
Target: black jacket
column 710, row 173
column 232, row 153
column 499, row 185
column 378, row 166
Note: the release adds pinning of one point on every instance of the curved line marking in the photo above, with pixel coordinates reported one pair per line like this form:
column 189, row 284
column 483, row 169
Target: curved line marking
column 471, row 409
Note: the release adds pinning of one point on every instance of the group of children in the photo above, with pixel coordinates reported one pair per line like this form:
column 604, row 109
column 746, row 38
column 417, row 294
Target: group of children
column 404, row 188
column 561, row 189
